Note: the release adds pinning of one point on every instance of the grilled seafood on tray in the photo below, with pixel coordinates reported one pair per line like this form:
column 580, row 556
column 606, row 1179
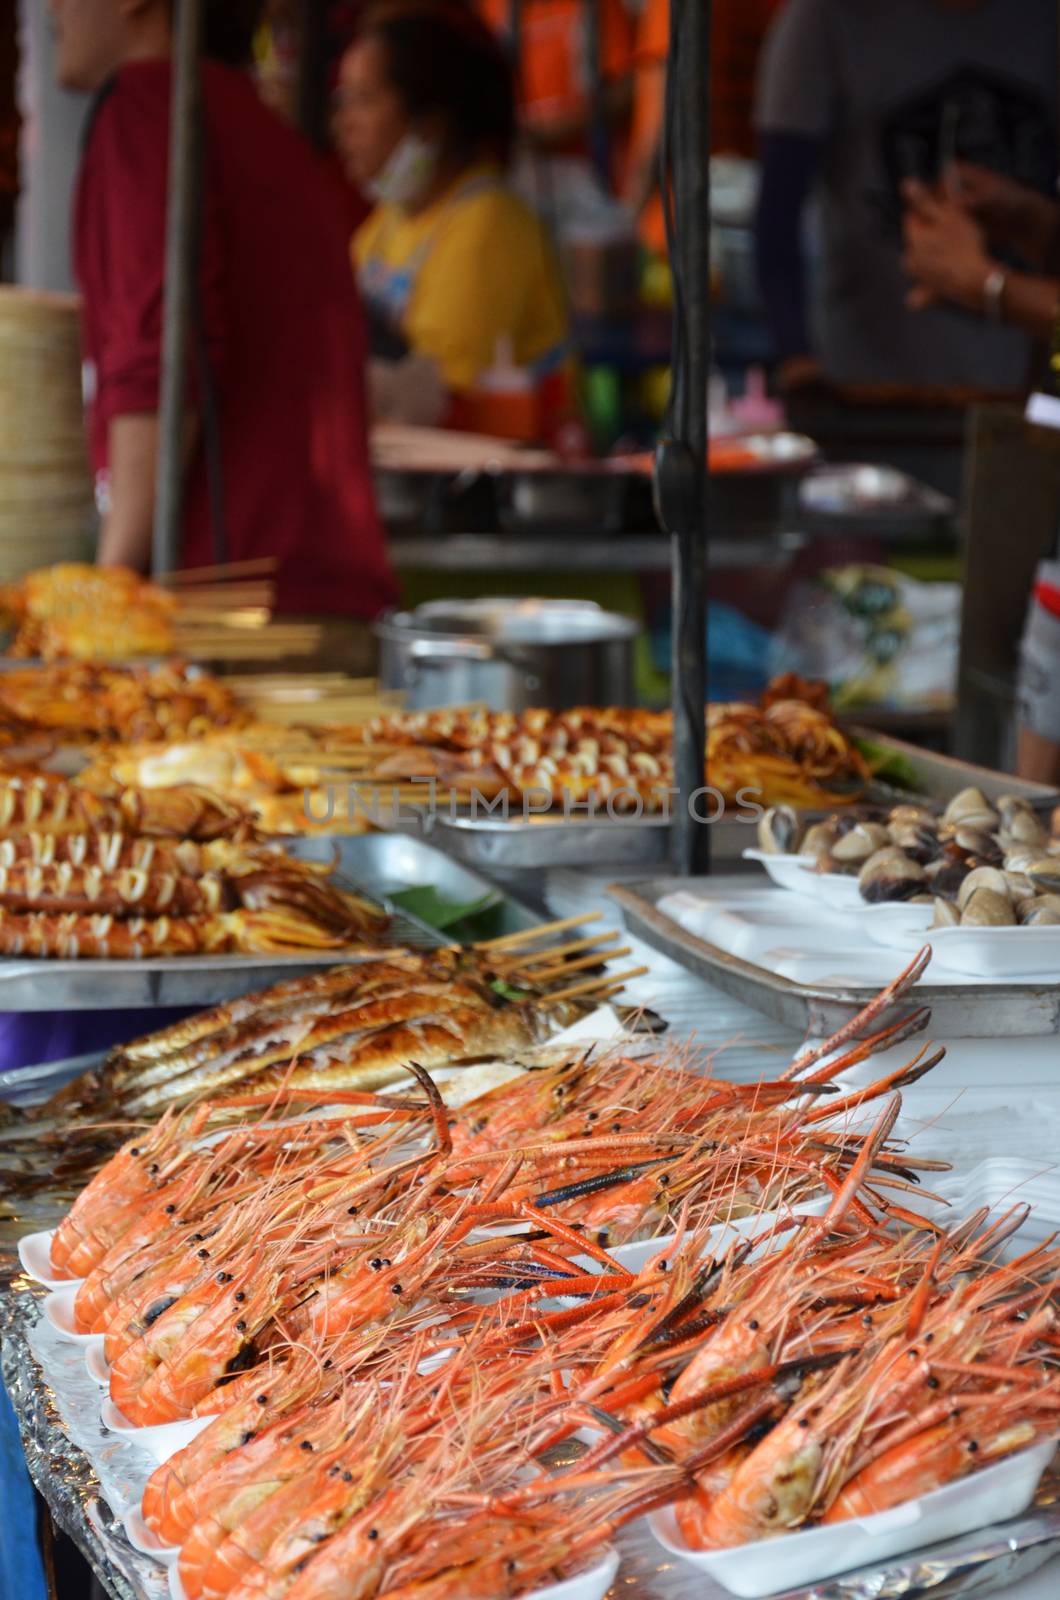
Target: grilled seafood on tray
column 979, row 864
column 788, row 749
column 80, row 704
column 67, row 897
column 387, row 1311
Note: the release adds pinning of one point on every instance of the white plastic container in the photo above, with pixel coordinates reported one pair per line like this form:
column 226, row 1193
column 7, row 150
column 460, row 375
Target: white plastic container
column 999, row 952
column 35, row 1255
column 591, row 1584
column 792, row 872
column 98, row 1365
column 58, row 1309
column 898, row 925
column 141, row 1538
column 160, row 1441
column 794, row 1560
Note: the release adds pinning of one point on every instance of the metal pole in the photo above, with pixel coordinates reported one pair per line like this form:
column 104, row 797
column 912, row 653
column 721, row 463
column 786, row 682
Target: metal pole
column 312, row 72
column 182, row 254
column 681, row 461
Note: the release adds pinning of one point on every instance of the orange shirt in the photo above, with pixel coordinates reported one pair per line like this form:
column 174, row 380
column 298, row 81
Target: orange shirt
column 739, row 28
column 555, row 79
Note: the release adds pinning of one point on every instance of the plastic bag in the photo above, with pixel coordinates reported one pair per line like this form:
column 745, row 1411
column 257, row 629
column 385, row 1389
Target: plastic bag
column 875, row 636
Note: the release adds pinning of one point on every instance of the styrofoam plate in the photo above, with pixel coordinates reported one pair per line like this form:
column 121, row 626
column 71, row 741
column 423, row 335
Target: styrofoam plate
column 898, row 925
column 98, row 1365
column 592, row 1584
column 797, row 1559
column 59, row 1311
column 141, row 1538
column 999, row 952
column 792, row 872
column 839, row 890
column 35, row 1254
column 160, row 1441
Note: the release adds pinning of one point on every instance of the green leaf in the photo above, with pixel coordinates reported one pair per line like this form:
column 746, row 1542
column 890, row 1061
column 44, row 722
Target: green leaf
column 508, row 991
column 889, row 766
column 448, row 916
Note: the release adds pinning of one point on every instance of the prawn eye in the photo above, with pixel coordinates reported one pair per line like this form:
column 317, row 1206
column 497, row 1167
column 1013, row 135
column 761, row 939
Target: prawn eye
column 376, row 1264
column 373, row 1533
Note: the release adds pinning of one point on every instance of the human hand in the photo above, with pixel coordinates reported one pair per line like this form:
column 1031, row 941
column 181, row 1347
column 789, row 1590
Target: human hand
column 799, row 372
column 945, row 254
column 1010, row 212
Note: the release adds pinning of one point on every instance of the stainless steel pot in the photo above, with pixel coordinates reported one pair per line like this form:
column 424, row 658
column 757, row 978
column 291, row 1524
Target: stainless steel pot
column 509, row 654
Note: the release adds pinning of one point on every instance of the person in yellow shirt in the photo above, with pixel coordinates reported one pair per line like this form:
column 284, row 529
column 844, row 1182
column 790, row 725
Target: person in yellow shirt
column 455, row 270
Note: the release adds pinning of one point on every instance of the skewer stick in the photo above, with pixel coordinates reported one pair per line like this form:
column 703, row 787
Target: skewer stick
column 221, row 570
column 594, row 941
column 542, row 929
column 605, row 983
column 593, row 960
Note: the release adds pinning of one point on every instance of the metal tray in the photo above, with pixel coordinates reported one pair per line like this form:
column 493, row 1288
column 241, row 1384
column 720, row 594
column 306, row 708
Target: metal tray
column 1002, row 1011
column 981, row 1563
column 376, row 863
column 552, row 839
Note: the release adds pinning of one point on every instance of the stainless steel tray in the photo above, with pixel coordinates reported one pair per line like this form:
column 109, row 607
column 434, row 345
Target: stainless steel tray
column 1002, row 1011
column 377, row 864
column 551, row 839
column 981, row 1563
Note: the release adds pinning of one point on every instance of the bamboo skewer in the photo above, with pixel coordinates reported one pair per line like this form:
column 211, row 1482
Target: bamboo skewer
column 552, row 951
column 563, row 967
column 604, row 982
column 193, row 575
column 540, row 932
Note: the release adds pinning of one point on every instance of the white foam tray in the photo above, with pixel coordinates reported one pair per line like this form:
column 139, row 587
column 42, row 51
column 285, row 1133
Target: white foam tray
column 35, row 1256
column 992, row 955
column 592, row 1584
column 797, row 1559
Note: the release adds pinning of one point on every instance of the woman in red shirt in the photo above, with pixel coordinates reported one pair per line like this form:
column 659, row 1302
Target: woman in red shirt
column 280, row 350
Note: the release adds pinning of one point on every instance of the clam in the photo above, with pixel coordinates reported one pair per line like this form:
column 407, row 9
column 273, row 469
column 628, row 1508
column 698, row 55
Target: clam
column 982, row 878
column 1019, row 857
column 819, row 839
column 946, row 877
column 974, row 842
column 890, row 874
column 779, row 831
column 900, row 816
column 918, row 839
column 1041, row 916
column 1045, row 873
column 1018, row 823
column 1050, row 901
column 861, row 842
column 946, row 914
column 1017, row 885
column 986, row 908
column 971, row 809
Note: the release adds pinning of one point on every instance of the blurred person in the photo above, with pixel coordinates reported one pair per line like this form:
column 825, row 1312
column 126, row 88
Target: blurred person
column 559, row 104
column 963, row 240
column 277, row 453
column 856, row 98
column 454, row 268
column 738, row 30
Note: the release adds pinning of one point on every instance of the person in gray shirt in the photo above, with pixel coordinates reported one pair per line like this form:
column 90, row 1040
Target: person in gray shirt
column 858, row 99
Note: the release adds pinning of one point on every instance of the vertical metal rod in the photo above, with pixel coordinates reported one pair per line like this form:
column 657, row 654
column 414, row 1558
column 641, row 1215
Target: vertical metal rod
column 690, row 22
column 312, row 72
column 182, row 254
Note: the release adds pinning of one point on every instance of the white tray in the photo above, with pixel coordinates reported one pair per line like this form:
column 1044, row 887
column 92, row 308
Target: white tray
column 795, row 1559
